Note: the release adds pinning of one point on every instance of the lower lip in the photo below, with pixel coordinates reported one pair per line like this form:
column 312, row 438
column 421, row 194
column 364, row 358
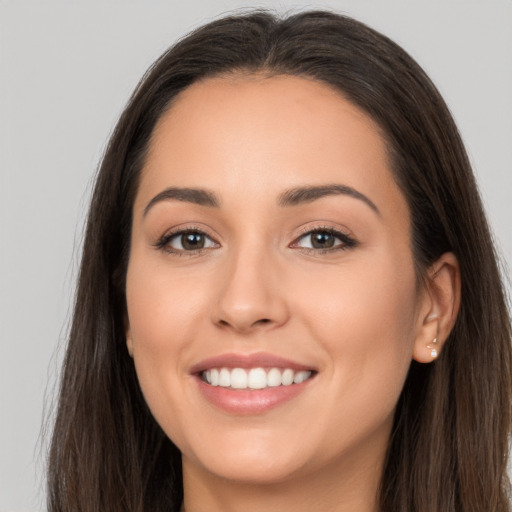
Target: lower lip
column 250, row 401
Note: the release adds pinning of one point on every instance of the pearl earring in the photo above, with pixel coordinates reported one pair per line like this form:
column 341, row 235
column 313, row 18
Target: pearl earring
column 433, row 353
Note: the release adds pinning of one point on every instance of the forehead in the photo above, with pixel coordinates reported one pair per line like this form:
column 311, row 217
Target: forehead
column 260, row 135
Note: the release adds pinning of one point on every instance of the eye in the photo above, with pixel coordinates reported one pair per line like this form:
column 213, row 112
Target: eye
column 324, row 240
column 186, row 241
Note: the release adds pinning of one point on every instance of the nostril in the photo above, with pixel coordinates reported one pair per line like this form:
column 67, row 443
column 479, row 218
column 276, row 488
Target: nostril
column 262, row 321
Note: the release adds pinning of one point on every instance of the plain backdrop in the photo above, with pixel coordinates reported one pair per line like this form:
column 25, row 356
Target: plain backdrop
column 66, row 70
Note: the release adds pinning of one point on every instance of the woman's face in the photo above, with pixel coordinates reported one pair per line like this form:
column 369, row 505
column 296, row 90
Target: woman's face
column 270, row 243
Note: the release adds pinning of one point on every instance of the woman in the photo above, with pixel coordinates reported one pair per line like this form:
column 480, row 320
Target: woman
column 288, row 295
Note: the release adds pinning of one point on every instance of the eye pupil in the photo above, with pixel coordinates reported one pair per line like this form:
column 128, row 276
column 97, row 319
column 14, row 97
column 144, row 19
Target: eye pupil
column 191, row 241
column 322, row 240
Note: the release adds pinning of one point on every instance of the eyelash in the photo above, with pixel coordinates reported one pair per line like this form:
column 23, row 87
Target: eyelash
column 163, row 243
column 347, row 242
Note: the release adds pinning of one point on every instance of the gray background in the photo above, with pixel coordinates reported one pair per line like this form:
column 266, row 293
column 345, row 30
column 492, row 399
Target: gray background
column 66, row 70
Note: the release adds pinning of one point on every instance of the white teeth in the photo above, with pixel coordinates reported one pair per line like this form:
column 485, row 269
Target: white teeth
column 255, row 378
column 287, row 377
column 224, row 378
column 301, row 377
column 274, row 378
column 238, row 378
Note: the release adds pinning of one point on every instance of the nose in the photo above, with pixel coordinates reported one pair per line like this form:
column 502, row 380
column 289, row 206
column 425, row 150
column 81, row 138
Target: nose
column 251, row 297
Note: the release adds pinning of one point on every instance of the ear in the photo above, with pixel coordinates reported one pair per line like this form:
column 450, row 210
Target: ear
column 129, row 341
column 438, row 308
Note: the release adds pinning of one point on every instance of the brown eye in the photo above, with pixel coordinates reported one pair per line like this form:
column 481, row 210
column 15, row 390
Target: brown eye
column 187, row 241
column 322, row 240
column 191, row 241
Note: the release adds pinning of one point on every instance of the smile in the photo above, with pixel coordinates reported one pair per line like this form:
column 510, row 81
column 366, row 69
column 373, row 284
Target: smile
column 254, row 378
column 247, row 384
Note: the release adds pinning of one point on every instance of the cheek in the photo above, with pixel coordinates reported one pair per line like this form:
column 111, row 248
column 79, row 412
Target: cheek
column 162, row 310
column 161, row 304
column 364, row 296
column 364, row 316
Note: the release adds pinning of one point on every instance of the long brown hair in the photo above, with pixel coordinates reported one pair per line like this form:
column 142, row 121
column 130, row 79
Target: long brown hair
column 449, row 445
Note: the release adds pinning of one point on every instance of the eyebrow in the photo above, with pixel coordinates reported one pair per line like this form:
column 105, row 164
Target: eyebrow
column 292, row 197
column 308, row 194
column 188, row 195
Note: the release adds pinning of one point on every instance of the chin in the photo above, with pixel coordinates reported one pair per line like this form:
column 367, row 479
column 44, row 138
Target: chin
column 250, row 457
column 254, row 470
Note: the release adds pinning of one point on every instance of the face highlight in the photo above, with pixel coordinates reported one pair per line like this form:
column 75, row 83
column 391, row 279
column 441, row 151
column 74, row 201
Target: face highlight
column 271, row 291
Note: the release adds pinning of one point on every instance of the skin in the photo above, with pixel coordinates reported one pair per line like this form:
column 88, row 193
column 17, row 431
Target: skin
column 353, row 313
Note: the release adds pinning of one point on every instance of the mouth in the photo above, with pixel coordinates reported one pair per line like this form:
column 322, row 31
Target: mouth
column 254, row 378
column 251, row 384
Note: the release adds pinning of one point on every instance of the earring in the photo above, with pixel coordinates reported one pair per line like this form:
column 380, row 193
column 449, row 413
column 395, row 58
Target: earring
column 433, row 352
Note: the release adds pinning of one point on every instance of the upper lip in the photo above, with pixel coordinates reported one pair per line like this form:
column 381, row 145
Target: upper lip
column 247, row 361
